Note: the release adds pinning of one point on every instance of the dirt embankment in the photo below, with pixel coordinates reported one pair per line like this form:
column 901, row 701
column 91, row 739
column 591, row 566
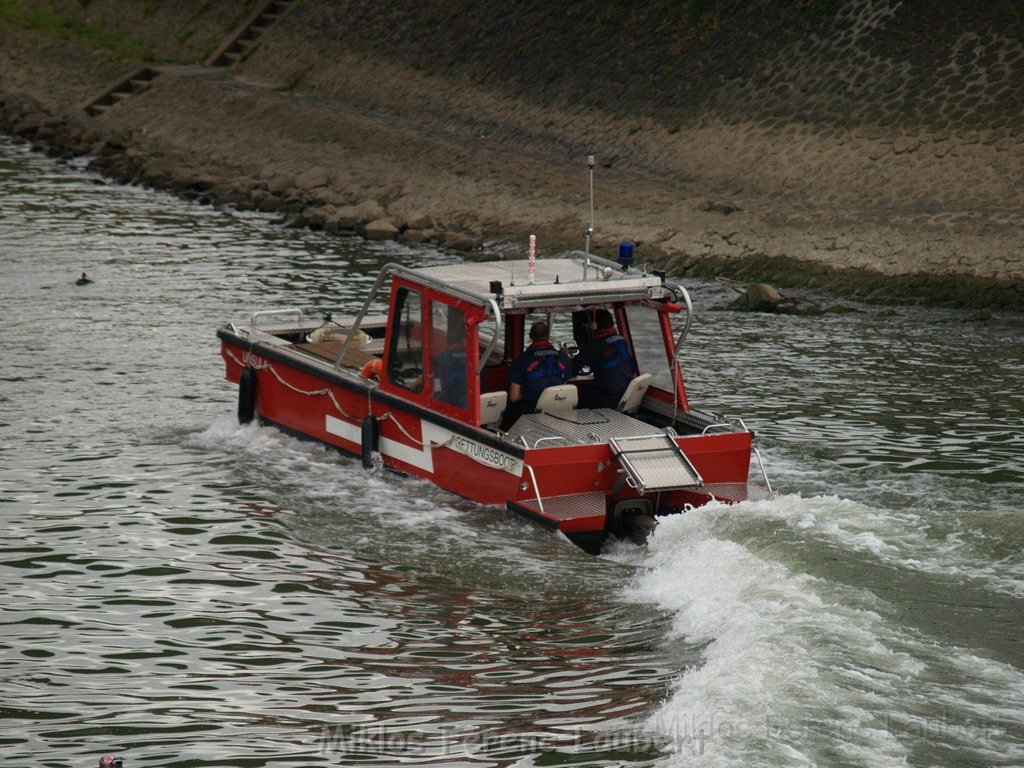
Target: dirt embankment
column 861, row 145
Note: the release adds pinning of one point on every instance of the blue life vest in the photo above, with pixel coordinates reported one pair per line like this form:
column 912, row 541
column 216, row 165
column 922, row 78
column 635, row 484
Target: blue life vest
column 540, row 366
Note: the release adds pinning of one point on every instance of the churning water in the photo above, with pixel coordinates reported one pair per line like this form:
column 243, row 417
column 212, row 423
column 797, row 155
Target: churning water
column 186, row 592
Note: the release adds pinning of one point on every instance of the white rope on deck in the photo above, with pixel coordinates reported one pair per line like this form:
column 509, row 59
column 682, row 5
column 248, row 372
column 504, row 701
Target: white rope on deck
column 268, row 367
column 247, row 363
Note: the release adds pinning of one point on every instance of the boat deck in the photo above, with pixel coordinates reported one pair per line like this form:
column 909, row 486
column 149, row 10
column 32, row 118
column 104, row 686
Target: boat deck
column 577, row 427
column 571, row 513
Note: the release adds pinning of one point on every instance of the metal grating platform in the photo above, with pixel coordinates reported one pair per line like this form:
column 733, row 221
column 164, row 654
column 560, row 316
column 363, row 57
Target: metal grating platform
column 736, row 492
column 654, row 463
column 579, row 427
column 573, row 505
column 571, row 513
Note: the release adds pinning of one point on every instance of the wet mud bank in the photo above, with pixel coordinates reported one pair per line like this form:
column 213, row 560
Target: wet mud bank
column 303, row 199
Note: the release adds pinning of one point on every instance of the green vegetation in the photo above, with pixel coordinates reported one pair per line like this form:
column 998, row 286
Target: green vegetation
column 42, row 17
column 694, row 9
column 821, row 7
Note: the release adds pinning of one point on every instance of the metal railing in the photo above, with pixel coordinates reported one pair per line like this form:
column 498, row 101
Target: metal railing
column 255, row 317
column 414, row 276
column 767, row 482
column 679, row 290
column 536, row 488
column 551, row 439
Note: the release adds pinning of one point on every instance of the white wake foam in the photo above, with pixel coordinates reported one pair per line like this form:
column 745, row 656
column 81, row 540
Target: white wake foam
column 800, row 671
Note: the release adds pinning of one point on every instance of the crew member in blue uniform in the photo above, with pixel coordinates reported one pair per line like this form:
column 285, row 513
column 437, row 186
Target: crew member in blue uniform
column 610, row 359
column 539, row 367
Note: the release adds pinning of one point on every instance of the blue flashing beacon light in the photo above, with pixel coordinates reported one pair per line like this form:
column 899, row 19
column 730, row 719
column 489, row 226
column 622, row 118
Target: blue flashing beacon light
column 626, row 255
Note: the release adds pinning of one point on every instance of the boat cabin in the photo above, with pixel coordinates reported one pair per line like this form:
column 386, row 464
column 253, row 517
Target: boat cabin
column 453, row 331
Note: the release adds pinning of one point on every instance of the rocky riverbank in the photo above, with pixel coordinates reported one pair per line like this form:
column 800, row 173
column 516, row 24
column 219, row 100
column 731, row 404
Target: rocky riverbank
column 369, row 134
column 306, row 199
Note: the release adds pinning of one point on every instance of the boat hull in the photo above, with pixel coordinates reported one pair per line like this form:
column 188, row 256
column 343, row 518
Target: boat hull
column 312, row 401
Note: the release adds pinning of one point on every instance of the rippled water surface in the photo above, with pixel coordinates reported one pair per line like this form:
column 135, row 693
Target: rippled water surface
column 186, row 592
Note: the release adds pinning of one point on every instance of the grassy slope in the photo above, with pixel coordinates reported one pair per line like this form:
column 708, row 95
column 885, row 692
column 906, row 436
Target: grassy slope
column 166, row 31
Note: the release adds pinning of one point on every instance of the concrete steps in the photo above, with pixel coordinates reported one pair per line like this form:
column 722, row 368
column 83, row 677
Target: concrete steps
column 240, row 42
column 235, row 47
column 119, row 90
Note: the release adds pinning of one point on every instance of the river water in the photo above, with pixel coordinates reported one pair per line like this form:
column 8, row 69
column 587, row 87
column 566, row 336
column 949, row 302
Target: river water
column 187, row 592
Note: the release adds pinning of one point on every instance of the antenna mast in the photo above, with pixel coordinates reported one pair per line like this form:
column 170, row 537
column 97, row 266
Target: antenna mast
column 590, row 228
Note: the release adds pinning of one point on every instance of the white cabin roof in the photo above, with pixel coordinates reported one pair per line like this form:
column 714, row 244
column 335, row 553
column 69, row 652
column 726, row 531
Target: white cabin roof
column 557, row 282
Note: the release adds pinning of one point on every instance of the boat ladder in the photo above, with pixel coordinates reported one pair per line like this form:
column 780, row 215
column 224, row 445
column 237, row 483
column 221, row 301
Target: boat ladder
column 654, row 463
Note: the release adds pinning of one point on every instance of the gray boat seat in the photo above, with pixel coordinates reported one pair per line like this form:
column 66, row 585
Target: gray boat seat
column 634, row 393
column 558, row 399
column 492, row 405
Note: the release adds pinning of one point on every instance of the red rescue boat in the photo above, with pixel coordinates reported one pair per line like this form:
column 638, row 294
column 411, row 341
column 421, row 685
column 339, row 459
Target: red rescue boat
column 425, row 387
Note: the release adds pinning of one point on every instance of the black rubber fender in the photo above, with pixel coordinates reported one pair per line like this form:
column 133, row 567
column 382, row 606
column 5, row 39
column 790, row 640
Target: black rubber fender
column 246, row 395
column 370, row 440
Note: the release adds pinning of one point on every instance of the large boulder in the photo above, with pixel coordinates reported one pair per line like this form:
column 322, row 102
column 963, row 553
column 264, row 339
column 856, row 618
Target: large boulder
column 227, row 194
column 270, row 204
column 356, row 217
column 324, row 196
column 312, row 178
column 397, row 219
column 759, row 297
column 159, row 171
column 417, row 220
column 28, row 125
column 280, row 183
column 345, row 217
column 380, row 230
column 369, row 210
column 457, row 241
column 16, row 105
column 319, row 217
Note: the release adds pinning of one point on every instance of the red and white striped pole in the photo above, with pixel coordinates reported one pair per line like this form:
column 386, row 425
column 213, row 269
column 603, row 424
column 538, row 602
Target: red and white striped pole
column 533, row 256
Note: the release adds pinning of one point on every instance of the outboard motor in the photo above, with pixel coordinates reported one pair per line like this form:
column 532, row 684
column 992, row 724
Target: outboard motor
column 634, row 519
column 639, row 527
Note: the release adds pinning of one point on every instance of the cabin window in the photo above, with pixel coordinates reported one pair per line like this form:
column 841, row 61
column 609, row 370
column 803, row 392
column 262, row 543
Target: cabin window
column 405, row 353
column 558, row 327
column 448, row 363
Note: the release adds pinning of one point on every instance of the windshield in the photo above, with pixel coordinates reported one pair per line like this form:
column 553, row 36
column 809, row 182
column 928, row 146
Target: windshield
column 648, row 345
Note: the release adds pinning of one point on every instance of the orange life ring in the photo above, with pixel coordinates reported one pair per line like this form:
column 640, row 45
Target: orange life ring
column 372, row 369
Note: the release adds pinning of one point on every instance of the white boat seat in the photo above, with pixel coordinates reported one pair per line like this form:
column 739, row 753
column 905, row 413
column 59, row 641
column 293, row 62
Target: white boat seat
column 634, row 393
column 492, row 405
column 558, row 399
